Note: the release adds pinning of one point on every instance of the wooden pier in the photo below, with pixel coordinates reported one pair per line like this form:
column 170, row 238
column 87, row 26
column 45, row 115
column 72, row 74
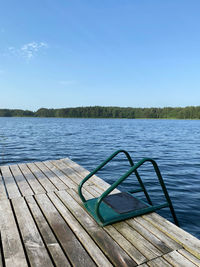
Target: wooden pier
column 43, row 223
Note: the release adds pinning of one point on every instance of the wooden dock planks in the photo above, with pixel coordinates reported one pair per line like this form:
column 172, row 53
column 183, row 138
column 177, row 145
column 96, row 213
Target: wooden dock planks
column 109, row 247
column 49, row 238
column 70, row 244
column 3, row 194
column 11, row 185
column 43, row 223
column 33, row 243
column 80, row 232
column 31, row 179
column 189, row 242
column 13, row 252
column 22, row 183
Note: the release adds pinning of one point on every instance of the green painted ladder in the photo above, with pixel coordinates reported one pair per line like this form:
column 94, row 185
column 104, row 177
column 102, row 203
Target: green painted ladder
column 107, row 209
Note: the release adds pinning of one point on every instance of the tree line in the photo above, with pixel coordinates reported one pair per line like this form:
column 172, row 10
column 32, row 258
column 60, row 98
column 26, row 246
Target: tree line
column 190, row 112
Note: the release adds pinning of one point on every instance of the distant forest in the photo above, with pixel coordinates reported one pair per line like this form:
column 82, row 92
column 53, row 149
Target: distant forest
column 191, row 112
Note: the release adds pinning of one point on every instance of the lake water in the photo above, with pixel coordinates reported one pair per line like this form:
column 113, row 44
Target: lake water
column 174, row 144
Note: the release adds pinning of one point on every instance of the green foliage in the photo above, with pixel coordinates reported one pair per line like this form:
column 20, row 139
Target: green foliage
column 108, row 112
column 16, row 113
column 44, row 112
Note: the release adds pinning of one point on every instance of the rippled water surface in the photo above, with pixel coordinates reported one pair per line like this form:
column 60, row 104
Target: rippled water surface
column 174, row 144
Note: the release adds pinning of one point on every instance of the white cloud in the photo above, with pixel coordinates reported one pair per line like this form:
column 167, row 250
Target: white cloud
column 31, row 49
column 28, row 51
column 12, row 50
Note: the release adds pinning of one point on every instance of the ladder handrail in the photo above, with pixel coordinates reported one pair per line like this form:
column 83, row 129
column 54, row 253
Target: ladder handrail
column 122, row 178
column 129, row 172
column 101, row 166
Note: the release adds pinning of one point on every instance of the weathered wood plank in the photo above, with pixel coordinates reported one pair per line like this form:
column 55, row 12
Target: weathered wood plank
column 12, row 189
column 35, row 248
column 99, row 191
column 133, row 252
column 92, row 249
column 12, row 246
column 51, row 242
column 149, row 236
column 158, row 262
column 35, row 185
column 161, row 244
column 49, row 187
column 137, row 235
column 21, row 181
column 92, row 190
column 60, row 223
column 3, row 194
column 173, row 243
column 162, row 236
column 189, row 242
column 71, row 245
column 51, row 176
column 69, row 183
column 1, row 257
column 189, row 256
column 138, row 241
column 82, row 172
column 177, row 260
column 71, row 174
column 110, row 248
column 71, row 169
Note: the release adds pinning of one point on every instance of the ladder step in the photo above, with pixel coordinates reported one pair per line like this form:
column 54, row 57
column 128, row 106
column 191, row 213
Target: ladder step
column 123, row 202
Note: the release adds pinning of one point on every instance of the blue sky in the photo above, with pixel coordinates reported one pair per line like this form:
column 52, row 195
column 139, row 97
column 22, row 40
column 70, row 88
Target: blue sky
column 136, row 53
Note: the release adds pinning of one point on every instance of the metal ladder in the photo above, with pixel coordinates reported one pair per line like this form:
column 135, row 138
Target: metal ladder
column 107, row 209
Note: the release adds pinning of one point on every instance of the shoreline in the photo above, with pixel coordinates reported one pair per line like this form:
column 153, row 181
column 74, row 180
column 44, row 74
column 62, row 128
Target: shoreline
column 99, row 118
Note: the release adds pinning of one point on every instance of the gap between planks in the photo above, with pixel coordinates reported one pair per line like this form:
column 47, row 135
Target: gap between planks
column 191, row 243
column 146, row 248
column 70, row 174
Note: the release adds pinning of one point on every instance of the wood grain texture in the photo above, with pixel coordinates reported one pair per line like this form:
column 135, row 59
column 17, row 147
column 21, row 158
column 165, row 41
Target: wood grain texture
column 3, row 194
column 45, row 182
column 23, row 185
column 189, row 242
column 35, row 248
column 70, row 244
column 133, row 235
column 162, row 236
column 158, row 262
column 82, row 172
column 48, row 236
column 43, row 223
column 171, row 241
column 11, row 186
column 143, row 245
column 65, row 179
column 69, row 172
column 110, row 248
column 147, row 235
column 55, row 180
column 189, row 256
column 88, row 243
column 132, row 251
column 1, row 256
column 177, row 260
column 12, row 246
column 32, row 180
